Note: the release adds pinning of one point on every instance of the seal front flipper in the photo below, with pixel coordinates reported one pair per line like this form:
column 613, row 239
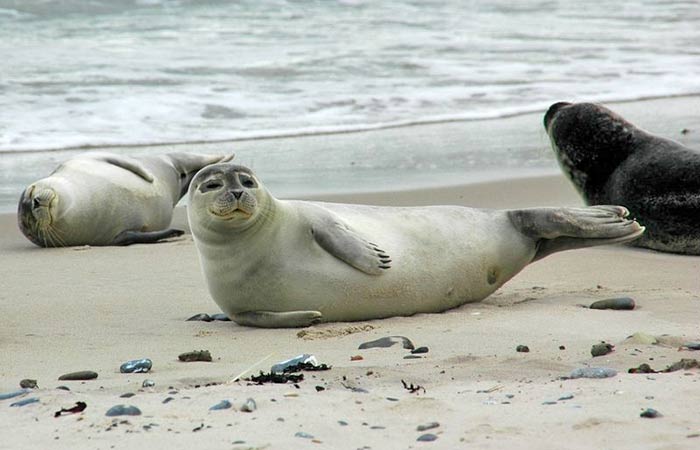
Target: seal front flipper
column 126, row 163
column 271, row 319
column 342, row 242
column 145, row 237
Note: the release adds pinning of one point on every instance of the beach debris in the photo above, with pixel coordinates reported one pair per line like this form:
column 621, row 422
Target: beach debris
column 277, row 378
column 683, row 364
column 388, row 342
column 411, row 388
column 203, row 317
column 136, row 366
column 195, row 355
column 620, row 303
column 223, row 404
column 13, row 394
column 79, row 407
column 78, row 376
column 495, row 388
column 220, row 317
column 522, row 349
column 123, row 410
column 643, row 368
column 148, row 383
column 327, row 333
column 25, row 401
column 127, row 395
column 28, row 384
column 593, row 372
column 303, row 435
column 427, row 437
column 691, row 345
column 650, row 413
column 427, row 426
column 420, row 350
column 350, row 385
column 199, row 428
column 356, row 358
column 249, row 406
column 298, row 363
column 601, row 349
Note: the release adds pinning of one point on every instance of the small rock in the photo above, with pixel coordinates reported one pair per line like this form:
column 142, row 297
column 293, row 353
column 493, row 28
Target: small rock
column 566, row 397
column 685, row 131
column 522, row 349
column 301, row 434
column 427, row 437
column 249, row 406
column 342, row 423
column 550, row 402
column 688, row 345
column 621, row 303
column 63, row 388
column 148, row 383
column 127, row 395
column 356, row 358
column 320, row 388
column 683, row 364
column 167, row 400
column 200, row 317
column 593, row 372
column 223, row 404
column 561, row 347
column 650, row 413
column 412, row 357
column 78, row 376
column 25, row 401
column 123, row 410
column 195, row 355
column 392, row 399
column 136, row 366
column 419, row 350
column 601, row 349
column 220, row 317
column 13, row 394
column 643, row 368
column 427, row 426
column 388, row 342
column 28, row 384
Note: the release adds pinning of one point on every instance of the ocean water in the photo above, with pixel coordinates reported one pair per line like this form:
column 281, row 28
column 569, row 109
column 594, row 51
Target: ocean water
column 81, row 74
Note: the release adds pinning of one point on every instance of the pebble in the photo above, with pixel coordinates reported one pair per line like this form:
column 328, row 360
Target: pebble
column 195, row 355
column 223, row 404
column 356, row 358
column 650, row 413
column 127, row 395
column 692, row 345
column 249, row 406
column 136, row 366
column 420, row 350
column 549, row 403
column 412, row 357
column 601, row 349
column 342, row 423
column 28, row 384
column 427, row 426
column 78, row 376
column 388, row 342
column 203, row 317
column 25, row 401
column 148, row 383
column 167, row 400
column 593, row 372
column 621, row 303
column 220, row 317
column 301, row 434
column 63, row 388
column 13, row 394
column 566, row 397
column 427, row 437
column 522, row 349
column 123, row 410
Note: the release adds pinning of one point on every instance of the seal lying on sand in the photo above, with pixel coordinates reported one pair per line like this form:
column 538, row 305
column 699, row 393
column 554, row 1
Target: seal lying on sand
column 273, row 263
column 107, row 199
column 609, row 160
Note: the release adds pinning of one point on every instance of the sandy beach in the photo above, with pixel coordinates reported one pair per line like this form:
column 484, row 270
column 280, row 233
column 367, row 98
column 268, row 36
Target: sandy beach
column 72, row 309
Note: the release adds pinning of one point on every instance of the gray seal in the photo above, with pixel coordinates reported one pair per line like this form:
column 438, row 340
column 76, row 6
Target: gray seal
column 275, row 263
column 102, row 198
column 611, row 161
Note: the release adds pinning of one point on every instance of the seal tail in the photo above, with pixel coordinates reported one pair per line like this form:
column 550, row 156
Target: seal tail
column 559, row 229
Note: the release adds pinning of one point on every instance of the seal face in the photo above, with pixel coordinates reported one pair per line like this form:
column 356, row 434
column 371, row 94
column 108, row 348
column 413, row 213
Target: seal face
column 108, row 199
column 274, row 263
column 611, row 161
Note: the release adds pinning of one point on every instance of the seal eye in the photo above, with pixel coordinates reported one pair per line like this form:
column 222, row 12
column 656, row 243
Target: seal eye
column 247, row 181
column 211, row 185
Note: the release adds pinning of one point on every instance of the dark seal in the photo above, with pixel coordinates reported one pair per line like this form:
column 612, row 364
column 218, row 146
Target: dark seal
column 611, row 161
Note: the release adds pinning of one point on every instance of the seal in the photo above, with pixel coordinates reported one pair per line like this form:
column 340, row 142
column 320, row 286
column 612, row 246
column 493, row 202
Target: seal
column 274, row 263
column 101, row 198
column 611, row 161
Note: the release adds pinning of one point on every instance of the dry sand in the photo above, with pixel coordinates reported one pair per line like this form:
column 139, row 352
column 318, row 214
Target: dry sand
column 75, row 309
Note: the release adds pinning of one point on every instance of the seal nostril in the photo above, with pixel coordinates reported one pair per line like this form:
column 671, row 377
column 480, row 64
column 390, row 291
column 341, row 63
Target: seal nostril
column 237, row 194
column 36, row 203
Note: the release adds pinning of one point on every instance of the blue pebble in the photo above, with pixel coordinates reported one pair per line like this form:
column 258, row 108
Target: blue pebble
column 223, row 404
column 136, row 366
column 301, row 434
column 427, row 437
column 123, row 410
column 13, row 394
column 26, row 401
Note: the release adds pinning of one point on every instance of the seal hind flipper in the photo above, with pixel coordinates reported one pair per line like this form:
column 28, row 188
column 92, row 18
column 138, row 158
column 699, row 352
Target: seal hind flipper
column 145, row 237
column 341, row 241
column 272, row 319
column 559, row 229
column 127, row 163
